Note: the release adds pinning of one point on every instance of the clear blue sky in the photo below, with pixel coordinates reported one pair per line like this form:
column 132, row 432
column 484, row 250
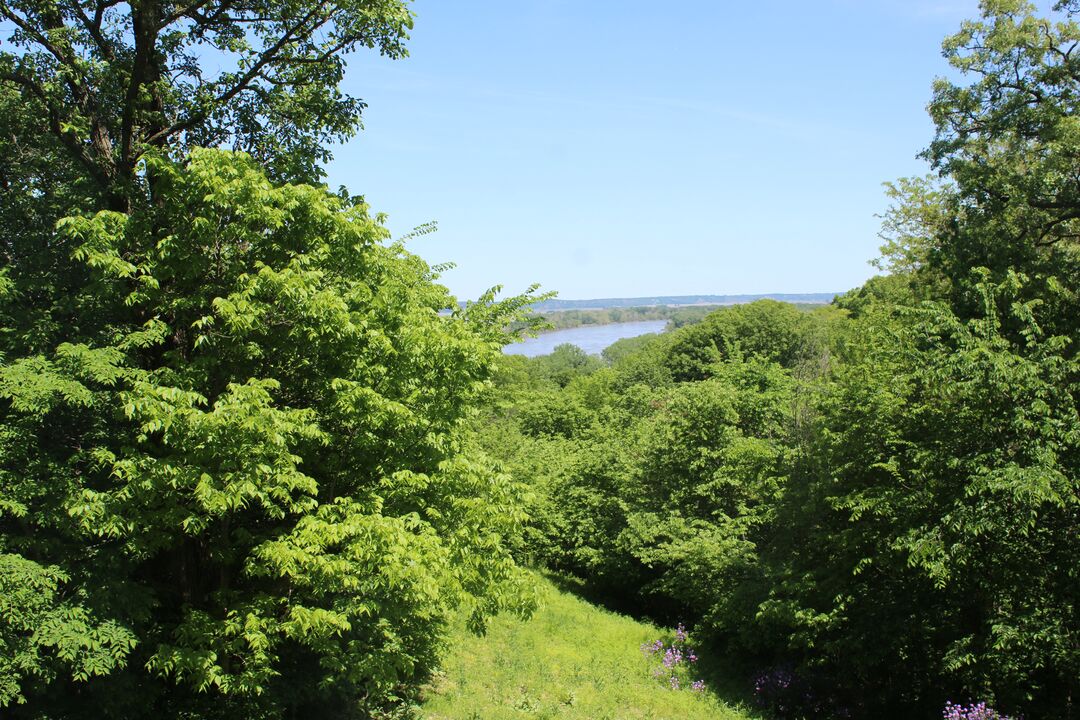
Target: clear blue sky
column 626, row 148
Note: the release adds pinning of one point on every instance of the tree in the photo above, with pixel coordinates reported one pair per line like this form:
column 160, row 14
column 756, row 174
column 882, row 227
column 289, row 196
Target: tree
column 563, row 364
column 913, row 223
column 1007, row 145
column 766, row 329
column 240, row 486
column 113, row 80
column 926, row 548
column 90, row 87
column 1009, row 138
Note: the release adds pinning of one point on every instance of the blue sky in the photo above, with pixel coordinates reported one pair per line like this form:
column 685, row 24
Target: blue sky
column 625, row 148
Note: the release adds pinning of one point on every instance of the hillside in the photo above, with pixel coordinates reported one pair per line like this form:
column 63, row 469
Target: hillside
column 571, row 660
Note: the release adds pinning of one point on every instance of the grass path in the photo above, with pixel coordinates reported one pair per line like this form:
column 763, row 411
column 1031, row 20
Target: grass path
column 571, row 660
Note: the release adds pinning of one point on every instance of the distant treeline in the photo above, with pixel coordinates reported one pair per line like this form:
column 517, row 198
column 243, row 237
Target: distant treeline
column 677, row 316
column 679, row 300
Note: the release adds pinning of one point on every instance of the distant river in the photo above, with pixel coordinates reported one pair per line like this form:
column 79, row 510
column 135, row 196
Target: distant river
column 590, row 338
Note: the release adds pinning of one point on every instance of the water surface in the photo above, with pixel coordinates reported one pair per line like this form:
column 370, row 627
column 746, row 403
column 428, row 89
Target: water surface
column 590, row 338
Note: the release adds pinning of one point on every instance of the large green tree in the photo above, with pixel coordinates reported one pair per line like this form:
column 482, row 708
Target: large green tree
column 234, row 477
column 89, row 87
column 926, row 548
column 241, row 487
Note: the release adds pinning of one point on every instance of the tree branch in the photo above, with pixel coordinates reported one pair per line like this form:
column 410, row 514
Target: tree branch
column 265, row 58
column 192, row 12
column 30, row 29
column 56, row 126
column 93, row 28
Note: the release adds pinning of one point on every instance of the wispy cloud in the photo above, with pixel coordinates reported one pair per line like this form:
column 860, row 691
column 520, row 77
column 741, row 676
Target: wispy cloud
column 930, row 10
column 431, row 86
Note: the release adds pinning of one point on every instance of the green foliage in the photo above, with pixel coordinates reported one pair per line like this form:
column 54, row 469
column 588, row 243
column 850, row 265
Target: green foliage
column 705, row 478
column 563, row 364
column 1006, row 145
column 892, row 289
column 107, row 81
column 640, row 481
column 554, row 414
column 46, row 635
column 625, row 348
column 242, row 486
column 916, row 219
column 942, row 491
column 766, row 329
column 1006, row 139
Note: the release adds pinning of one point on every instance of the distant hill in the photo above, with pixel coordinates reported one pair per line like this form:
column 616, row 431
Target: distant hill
column 678, row 300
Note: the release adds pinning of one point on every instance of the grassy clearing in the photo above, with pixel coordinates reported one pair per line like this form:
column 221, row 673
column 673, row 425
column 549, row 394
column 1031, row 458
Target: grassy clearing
column 571, row 660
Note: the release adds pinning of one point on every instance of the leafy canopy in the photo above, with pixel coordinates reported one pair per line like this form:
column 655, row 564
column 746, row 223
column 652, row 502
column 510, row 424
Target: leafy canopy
column 242, row 485
column 111, row 80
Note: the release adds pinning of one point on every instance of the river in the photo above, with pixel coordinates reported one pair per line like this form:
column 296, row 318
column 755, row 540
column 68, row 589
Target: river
column 590, row 338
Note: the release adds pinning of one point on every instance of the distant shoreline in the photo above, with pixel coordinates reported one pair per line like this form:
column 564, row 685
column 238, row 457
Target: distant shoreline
column 593, row 338
column 675, row 314
column 601, row 324
column 557, row 305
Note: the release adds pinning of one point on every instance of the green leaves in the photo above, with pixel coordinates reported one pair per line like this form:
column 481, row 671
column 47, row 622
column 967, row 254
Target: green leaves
column 944, row 469
column 32, row 385
column 43, row 634
column 112, row 83
column 1006, row 146
column 249, row 454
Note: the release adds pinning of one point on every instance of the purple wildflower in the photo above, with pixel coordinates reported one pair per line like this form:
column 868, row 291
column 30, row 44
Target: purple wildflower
column 674, row 659
column 977, row 711
column 653, row 647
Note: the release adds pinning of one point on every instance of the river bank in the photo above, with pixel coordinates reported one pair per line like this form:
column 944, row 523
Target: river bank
column 590, row 338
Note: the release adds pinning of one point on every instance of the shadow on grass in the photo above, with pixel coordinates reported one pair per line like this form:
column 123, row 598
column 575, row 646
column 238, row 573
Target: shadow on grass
column 723, row 677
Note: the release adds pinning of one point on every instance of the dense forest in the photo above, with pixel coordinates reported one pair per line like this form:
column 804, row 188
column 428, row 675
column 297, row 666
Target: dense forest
column 250, row 468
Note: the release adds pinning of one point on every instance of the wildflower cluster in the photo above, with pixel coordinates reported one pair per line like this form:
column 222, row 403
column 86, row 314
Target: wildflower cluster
column 676, row 660
column 977, row 711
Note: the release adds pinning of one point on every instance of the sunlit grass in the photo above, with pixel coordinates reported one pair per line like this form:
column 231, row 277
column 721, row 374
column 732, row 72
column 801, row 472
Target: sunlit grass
column 571, row 660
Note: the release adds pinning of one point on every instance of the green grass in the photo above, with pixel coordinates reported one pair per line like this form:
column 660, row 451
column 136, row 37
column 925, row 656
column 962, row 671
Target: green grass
column 571, row 660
